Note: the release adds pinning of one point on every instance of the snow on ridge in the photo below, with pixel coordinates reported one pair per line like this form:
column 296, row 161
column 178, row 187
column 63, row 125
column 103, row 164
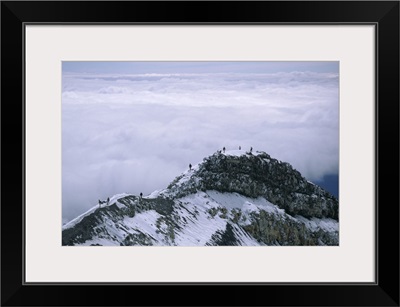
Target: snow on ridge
column 113, row 200
column 155, row 194
column 79, row 218
column 212, row 199
column 235, row 200
column 315, row 224
column 240, row 152
column 235, row 153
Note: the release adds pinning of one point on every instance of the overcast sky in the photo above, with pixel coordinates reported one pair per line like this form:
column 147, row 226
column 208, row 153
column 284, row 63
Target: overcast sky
column 131, row 127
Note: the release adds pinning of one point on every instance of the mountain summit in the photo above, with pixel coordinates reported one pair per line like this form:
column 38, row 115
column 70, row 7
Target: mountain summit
column 230, row 198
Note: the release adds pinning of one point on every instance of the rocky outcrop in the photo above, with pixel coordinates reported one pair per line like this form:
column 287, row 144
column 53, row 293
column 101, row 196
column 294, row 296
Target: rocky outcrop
column 256, row 175
column 228, row 199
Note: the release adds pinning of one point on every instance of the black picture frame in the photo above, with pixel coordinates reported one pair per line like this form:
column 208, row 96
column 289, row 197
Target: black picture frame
column 383, row 14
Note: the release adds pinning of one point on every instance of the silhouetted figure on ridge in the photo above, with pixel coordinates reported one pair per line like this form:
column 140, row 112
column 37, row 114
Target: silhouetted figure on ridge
column 108, row 200
column 240, row 148
column 190, row 166
column 223, row 149
column 251, row 149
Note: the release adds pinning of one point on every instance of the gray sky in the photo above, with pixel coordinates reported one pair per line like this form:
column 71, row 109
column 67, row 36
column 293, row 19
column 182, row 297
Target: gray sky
column 131, row 127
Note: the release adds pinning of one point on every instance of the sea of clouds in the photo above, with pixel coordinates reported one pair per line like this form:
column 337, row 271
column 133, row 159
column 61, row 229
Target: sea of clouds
column 135, row 133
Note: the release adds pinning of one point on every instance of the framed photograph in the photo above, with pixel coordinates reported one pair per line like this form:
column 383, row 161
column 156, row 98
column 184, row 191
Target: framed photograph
column 235, row 149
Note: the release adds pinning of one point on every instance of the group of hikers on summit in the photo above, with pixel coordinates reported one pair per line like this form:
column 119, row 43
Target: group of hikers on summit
column 223, row 150
column 240, row 148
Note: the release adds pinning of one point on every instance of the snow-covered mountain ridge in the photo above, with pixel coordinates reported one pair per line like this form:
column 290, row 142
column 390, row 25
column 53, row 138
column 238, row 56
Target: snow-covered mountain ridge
column 230, row 198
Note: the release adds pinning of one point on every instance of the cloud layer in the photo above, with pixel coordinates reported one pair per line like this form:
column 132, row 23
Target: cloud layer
column 135, row 133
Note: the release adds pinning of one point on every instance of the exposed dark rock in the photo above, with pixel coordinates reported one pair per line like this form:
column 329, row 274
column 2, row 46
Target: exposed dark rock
column 260, row 175
column 224, row 238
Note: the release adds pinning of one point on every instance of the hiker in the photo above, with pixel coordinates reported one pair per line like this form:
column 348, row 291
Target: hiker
column 251, row 149
column 190, row 166
column 141, row 194
column 223, row 149
column 240, row 148
column 99, row 203
column 108, row 200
